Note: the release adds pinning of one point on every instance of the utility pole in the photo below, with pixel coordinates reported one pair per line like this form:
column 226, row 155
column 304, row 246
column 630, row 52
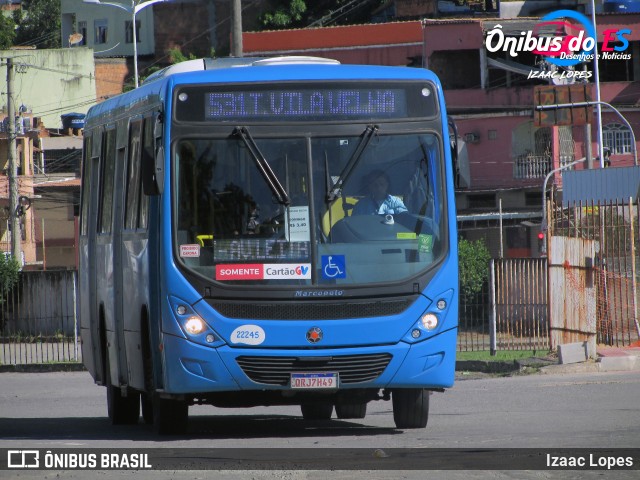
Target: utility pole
column 14, row 219
column 236, row 28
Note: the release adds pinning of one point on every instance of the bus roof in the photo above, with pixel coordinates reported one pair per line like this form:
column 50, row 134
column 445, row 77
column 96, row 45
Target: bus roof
column 244, row 69
column 230, row 62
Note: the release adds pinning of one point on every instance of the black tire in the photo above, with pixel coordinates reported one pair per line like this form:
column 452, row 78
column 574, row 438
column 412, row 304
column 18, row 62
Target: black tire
column 122, row 410
column 351, row 410
column 170, row 417
column 316, row 411
column 410, row 407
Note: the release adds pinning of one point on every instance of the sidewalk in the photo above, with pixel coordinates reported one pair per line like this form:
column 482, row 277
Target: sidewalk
column 609, row 359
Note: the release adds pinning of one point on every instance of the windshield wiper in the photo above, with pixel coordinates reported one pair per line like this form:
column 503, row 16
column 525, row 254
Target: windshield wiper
column 335, row 191
column 265, row 169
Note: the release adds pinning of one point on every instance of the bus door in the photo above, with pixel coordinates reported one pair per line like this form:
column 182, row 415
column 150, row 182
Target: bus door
column 104, row 252
column 89, row 329
column 131, row 240
column 90, row 325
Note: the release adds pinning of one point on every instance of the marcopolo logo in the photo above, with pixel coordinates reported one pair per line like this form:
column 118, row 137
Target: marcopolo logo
column 573, row 41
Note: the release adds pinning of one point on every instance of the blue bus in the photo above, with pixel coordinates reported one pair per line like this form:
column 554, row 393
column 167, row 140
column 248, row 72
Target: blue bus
column 269, row 231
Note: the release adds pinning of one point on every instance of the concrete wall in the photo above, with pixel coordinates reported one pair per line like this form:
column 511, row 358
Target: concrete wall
column 51, row 82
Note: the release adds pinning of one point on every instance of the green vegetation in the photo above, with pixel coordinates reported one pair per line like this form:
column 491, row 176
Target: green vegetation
column 501, row 356
column 7, row 32
column 474, row 260
column 303, row 13
column 285, row 14
column 9, row 275
column 38, row 23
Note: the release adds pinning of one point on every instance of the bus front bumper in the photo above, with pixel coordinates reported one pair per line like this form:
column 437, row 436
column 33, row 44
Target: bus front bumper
column 191, row 368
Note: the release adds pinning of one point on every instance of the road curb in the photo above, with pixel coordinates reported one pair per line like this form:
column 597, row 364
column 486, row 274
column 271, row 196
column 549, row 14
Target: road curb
column 485, row 366
column 42, row 368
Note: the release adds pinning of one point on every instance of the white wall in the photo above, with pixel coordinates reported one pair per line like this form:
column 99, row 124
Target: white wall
column 51, row 82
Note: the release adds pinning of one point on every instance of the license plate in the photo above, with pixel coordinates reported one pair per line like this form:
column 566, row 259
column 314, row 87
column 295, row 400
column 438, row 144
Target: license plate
column 310, row 380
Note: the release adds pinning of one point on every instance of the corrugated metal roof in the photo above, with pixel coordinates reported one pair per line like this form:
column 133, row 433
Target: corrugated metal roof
column 600, row 185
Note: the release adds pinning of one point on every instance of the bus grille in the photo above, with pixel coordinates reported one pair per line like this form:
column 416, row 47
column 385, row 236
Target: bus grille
column 304, row 310
column 351, row 368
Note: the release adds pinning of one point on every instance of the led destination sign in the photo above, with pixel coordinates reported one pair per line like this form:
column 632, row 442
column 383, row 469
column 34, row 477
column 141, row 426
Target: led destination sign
column 306, row 103
column 298, row 102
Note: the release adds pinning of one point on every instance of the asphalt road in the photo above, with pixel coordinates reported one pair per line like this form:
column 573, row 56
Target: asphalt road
column 588, row 411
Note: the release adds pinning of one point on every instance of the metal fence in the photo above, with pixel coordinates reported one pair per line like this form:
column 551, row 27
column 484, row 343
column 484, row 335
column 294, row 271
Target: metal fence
column 38, row 321
column 615, row 226
column 511, row 311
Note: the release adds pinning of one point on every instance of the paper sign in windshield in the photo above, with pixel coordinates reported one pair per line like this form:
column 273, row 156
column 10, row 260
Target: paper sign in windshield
column 190, row 250
column 425, row 243
column 297, row 219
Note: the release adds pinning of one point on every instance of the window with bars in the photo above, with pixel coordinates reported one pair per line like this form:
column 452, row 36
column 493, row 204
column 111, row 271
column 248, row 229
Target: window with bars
column 617, row 138
column 82, row 30
column 128, row 31
column 100, row 27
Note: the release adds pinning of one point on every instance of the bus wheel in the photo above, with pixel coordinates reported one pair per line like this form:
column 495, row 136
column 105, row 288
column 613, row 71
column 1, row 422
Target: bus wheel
column 316, row 411
column 351, row 410
column 410, row 407
column 122, row 410
column 170, row 417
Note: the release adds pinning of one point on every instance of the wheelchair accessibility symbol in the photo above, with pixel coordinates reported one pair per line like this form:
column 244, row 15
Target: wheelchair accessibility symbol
column 333, row 266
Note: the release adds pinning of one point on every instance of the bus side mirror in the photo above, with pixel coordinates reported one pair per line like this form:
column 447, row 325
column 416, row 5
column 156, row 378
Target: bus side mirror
column 153, row 173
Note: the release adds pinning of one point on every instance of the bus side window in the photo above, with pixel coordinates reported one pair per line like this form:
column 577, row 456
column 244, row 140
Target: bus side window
column 86, row 175
column 148, row 147
column 107, row 177
column 133, row 176
column 153, row 158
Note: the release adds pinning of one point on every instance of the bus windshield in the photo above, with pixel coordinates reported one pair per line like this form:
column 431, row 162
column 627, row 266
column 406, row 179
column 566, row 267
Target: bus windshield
column 345, row 210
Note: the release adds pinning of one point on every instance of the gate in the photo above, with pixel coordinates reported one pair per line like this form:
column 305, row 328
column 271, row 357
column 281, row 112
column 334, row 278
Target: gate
column 520, row 303
column 612, row 303
column 572, row 298
column 515, row 301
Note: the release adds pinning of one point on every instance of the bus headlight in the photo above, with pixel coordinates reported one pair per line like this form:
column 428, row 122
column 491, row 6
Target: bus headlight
column 194, row 325
column 430, row 321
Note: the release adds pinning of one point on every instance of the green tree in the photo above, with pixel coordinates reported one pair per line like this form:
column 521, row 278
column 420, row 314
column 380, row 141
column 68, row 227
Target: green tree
column 38, row 23
column 7, row 32
column 302, row 13
column 473, row 258
column 9, row 275
column 285, row 15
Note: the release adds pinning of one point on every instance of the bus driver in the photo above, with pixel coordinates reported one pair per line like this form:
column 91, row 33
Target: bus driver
column 379, row 201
